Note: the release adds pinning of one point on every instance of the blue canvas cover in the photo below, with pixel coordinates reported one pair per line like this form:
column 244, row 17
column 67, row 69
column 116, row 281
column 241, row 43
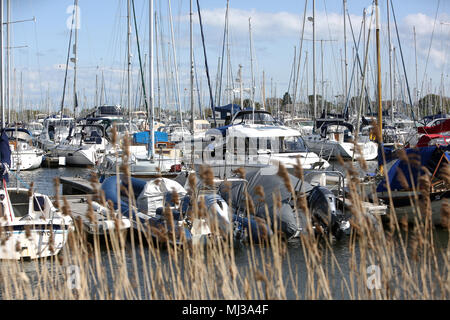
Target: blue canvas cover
column 427, row 156
column 5, row 155
column 227, row 109
column 144, row 137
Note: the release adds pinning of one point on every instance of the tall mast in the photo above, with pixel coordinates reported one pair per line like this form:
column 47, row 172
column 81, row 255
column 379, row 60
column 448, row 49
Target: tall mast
column 321, row 54
column 314, row 63
column 8, row 60
column 151, row 149
column 129, row 63
column 176, row 66
column 417, row 85
column 380, row 108
column 252, row 90
column 1, row 65
column 345, row 48
column 192, row 80
column 390, row 62
column 75, row 100
column 264, row 91
column 228, row 87
column 241, row 87
column 157, row 67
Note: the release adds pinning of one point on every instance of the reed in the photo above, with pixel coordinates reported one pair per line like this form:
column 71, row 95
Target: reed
column 137, row 267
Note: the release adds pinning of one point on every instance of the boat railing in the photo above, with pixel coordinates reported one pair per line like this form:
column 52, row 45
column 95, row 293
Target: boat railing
column 341, row 182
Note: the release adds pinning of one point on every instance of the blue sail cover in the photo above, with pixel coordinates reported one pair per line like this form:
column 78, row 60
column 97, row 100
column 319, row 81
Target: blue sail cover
column 5, row 155
column 428, row 157
column 144, row 137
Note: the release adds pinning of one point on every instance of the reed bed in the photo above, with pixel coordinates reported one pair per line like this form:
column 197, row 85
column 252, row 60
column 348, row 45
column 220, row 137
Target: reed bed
column 134, row 266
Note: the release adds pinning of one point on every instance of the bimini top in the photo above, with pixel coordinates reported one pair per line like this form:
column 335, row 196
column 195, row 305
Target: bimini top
column 107, row 111
column 324, row 124
column 19, row 133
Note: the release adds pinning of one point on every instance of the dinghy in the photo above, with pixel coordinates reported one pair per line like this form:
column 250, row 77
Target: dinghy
column 149, row 214
column 321, row 203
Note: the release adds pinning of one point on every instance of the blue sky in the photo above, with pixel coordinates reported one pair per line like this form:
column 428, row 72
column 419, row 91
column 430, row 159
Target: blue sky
column 276, row 29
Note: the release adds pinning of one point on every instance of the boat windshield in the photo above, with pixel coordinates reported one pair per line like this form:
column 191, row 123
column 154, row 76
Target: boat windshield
column 35, row 126
column 260, row 118
column 292, row 144
column 90, row 131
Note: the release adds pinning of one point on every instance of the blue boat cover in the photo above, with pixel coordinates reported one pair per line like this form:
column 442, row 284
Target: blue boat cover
column 5, row 155
column 428, row 156
column 144, row 137
column 225, row 109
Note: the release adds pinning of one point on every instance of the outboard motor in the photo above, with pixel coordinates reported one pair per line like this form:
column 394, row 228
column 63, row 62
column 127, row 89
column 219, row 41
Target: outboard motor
column 322, row 205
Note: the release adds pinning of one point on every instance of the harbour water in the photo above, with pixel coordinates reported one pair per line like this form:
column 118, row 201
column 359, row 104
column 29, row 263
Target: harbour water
column 294, row 264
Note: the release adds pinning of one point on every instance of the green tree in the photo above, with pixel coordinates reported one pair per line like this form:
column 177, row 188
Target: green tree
column 286, row 99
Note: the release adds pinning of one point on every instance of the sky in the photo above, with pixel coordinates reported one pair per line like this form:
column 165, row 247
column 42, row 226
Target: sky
column 38, row 69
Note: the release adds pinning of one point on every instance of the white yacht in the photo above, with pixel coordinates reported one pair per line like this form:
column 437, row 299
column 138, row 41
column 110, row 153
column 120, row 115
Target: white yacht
column 56, row 129
column 256, row 139
column 24, row 155
column 85, row 145
column 336, row 139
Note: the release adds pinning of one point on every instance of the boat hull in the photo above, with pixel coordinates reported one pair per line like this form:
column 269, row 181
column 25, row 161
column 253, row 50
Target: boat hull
column 34, row 243
column 406, row 205
column 25, row 160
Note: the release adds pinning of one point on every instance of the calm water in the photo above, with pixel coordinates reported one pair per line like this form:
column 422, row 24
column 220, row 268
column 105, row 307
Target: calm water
column 43, row 182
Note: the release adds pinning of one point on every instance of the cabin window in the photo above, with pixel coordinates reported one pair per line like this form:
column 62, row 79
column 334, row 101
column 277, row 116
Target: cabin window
column 38, row 203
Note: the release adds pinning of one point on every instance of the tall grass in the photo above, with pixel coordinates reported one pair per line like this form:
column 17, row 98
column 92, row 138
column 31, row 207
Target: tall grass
column 134, row 266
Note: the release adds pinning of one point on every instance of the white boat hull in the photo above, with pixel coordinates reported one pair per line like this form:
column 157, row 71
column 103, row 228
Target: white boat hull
column 25, row 160
column 37, row 244
column 333, row 149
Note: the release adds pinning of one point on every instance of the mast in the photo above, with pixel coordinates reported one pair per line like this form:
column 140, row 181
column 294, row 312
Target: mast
column 394, row 77
column 175, row 62
column 192, row 80
column 1, row 65
column 151, row 149
column 380, row 109
column 390, row 62
column 228, row 87
column 252, row 90
column 129, row 63
column 345, row 48
column 96, row 91
column 157, row 67
column 75, row 100
column 321, row 53
column 240, row 86
column 417, row 85
column 8, row 60
column 264, row 91
column 314, row 64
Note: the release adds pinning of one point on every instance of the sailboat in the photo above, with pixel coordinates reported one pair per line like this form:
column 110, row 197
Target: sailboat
column 24, row 155
column 142, row 162
column 84, row 147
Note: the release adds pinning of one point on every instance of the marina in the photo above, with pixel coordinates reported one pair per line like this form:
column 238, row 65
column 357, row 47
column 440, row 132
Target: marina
column 337, row 187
